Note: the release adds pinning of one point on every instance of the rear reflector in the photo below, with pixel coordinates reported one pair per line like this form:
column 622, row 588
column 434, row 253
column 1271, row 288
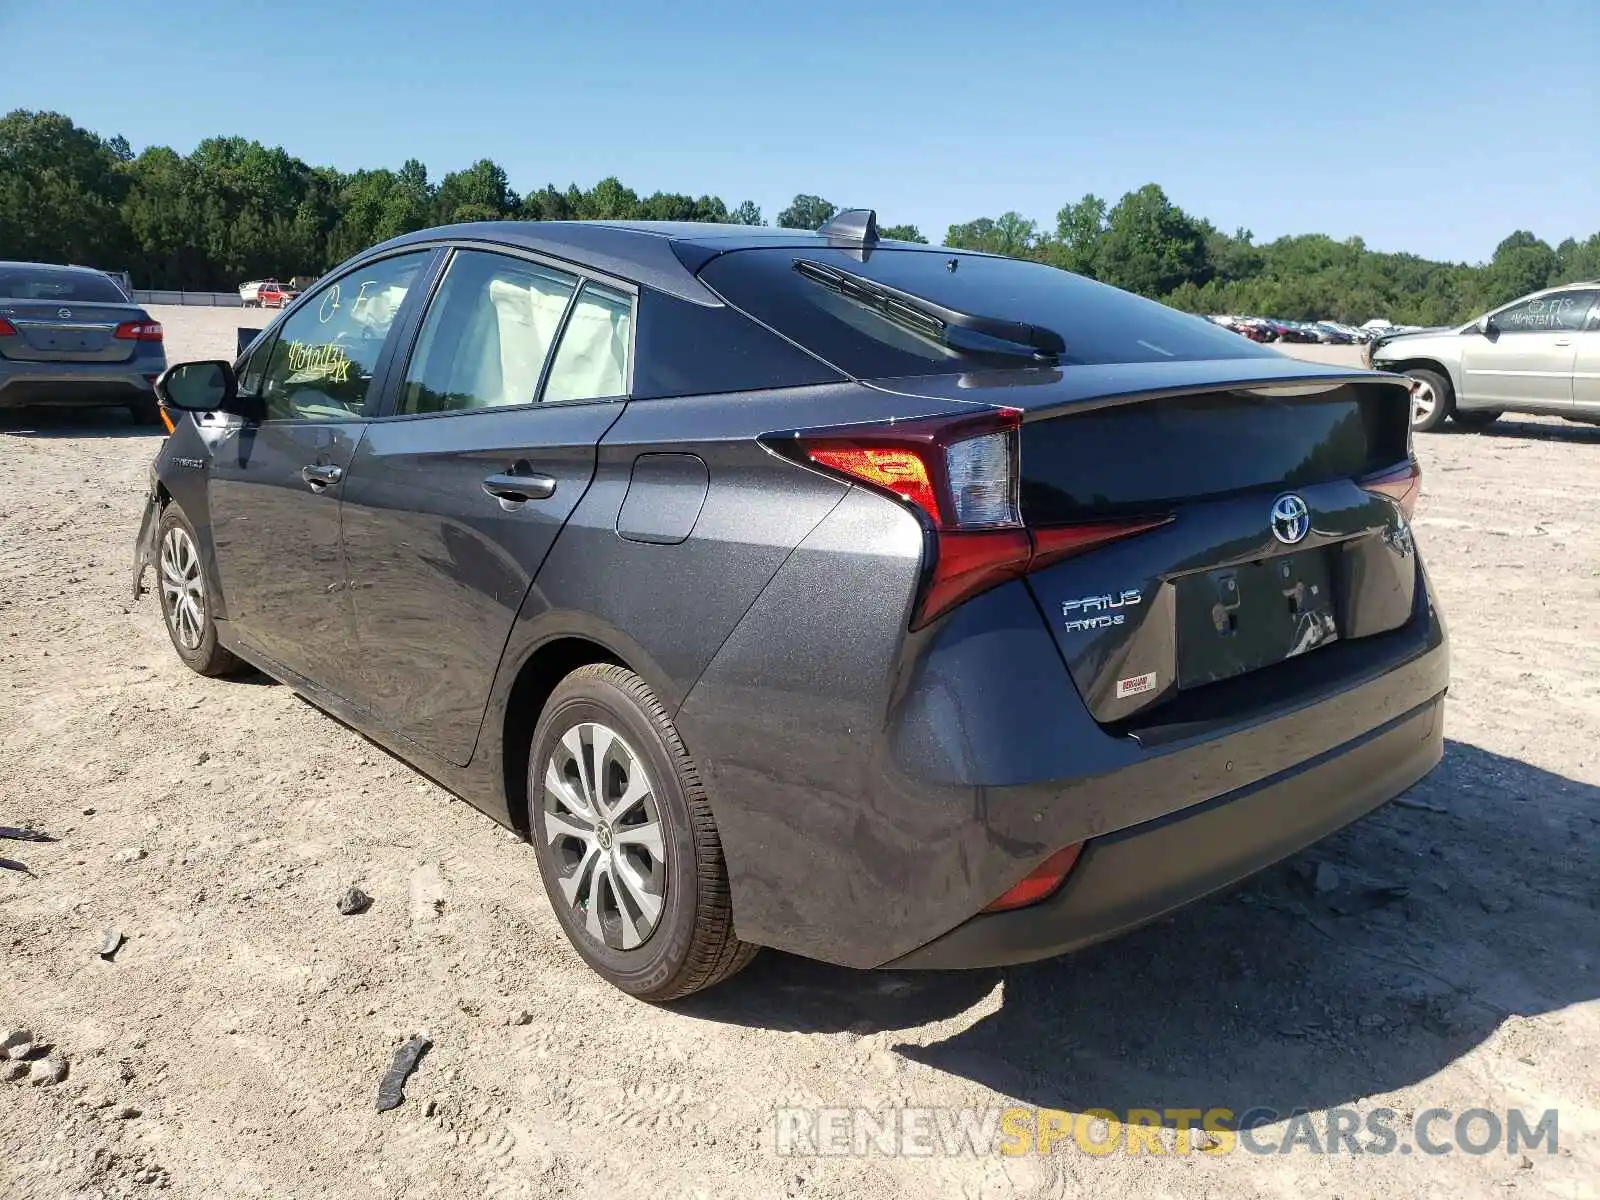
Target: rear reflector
column 138, row 331
column 1403, row 485
column 1040, row 883
column 7, row 329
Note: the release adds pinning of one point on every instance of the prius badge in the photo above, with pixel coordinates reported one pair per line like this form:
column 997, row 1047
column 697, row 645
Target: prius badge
column 1291, row 519
column 1099, row 612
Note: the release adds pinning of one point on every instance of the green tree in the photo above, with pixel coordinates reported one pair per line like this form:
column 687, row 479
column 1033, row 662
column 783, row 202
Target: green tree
column 1010, row 233
column 1522, row 263
column 747, row 214
column 480, row 193
column 1080, row 229
column 807, row 212
column 902, row 233
column 60, row 188
column 1151, row 246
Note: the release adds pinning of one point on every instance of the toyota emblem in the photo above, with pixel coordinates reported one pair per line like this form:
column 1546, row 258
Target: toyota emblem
column 64, row 313
column 1291, row 519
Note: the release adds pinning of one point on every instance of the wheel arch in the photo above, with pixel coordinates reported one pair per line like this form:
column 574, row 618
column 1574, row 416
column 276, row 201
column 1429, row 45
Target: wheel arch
column 1427, row 364
column 541, row 670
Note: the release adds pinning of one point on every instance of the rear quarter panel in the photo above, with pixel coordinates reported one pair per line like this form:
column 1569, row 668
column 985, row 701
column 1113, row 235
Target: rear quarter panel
column 666, row 608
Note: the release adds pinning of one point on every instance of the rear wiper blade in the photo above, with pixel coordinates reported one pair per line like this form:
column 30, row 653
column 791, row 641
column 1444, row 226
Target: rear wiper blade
column 932, row 319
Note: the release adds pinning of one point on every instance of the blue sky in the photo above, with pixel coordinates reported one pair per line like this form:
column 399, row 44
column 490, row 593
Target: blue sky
column 1424, row 126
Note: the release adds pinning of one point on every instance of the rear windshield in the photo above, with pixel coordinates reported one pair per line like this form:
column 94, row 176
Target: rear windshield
column 1100, row 324
column 33, row 283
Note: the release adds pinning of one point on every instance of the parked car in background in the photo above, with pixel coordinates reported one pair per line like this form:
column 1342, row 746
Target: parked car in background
column 1288, row 331
column 1332, row 334
column 1538, row 354
column 266, row 293
column 69, row 336
column 275, row 295
column 250, row 292
column 913, row 608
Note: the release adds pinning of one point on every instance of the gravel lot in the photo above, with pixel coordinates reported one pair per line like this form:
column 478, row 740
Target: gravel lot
column 1450, row 959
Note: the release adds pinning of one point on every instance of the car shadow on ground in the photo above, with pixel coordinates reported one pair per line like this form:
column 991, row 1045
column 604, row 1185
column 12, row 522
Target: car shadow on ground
column 1467, row 902
column 73, row 423
column 1553, row 430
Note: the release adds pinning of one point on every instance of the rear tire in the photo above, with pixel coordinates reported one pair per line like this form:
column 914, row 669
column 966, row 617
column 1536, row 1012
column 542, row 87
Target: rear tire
column 186, row 597
column 1432, row 399
column 626, row 844
column 146, row 411
column 1476, row 418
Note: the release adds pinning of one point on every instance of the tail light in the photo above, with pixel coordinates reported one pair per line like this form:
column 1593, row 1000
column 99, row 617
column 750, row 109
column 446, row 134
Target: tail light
column 1040, row 883
column 962, row 477
column 138, row 331
column 7, row 329
column 1403, row 485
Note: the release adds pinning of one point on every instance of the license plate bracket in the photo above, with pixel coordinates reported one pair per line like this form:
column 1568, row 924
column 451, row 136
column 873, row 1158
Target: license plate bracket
column 1241, row 618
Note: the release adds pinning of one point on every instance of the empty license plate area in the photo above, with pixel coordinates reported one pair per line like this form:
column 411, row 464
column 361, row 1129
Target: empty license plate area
column 1246, row 617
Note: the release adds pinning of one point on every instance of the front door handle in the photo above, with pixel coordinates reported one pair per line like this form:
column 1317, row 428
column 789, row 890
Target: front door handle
column 519, row 489
column 1564, row 342
column 321, row 475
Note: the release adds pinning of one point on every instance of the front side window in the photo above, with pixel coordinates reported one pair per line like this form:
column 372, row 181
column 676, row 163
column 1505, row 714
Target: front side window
column 322, row 364
column 1561, row 312
column 487, row 334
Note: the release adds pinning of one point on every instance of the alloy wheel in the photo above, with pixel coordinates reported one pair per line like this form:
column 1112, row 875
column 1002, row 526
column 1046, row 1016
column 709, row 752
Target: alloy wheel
column 602, row 829
column 1423, row 400
column 183, row 588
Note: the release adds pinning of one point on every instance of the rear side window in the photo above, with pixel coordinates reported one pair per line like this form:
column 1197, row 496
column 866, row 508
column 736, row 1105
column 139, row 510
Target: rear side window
column 592, row 360
column 58, row 286
column 1099, row 324
column 689, row 349
column 487, row 334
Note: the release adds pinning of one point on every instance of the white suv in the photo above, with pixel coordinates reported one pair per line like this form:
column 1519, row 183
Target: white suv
column 1539, row 354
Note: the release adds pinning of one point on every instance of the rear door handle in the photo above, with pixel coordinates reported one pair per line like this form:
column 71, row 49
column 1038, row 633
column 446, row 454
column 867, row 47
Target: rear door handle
column 1564, row 342
column 321, row 475
column 519, row 489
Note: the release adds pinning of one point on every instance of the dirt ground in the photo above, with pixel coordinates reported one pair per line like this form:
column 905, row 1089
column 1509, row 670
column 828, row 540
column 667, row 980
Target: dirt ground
column 233, row 1047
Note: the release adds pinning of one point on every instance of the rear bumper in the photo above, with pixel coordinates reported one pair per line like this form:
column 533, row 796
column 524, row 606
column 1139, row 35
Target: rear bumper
column 1128, row 878
column 76, row 384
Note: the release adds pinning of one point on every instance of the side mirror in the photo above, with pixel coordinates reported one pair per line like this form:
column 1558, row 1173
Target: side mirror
column 1486, row 326
column 207, row 386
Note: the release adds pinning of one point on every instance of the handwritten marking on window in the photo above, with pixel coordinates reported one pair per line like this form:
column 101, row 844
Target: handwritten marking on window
column 327, row 361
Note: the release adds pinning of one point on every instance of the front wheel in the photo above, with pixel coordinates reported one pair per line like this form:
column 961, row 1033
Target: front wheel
column 1432, row 399
column 1476, row 418
column 186, row 597
column 626, row 844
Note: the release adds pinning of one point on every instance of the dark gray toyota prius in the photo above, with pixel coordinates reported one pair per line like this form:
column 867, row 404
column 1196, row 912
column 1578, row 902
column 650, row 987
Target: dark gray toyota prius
column 892, row 605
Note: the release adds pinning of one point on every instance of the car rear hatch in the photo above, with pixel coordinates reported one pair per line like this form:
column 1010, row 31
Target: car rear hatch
column 76, row 332
column 1242, row 514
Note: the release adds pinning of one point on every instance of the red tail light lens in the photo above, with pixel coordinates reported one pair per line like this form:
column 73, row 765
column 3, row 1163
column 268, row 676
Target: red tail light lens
column 963, row 476
column 902, row 472
column 7, row 329
column 1040, row 883
column 1403, row 485
column 138, row 331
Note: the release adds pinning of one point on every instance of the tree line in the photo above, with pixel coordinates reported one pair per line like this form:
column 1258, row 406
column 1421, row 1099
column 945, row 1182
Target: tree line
column 234, row 209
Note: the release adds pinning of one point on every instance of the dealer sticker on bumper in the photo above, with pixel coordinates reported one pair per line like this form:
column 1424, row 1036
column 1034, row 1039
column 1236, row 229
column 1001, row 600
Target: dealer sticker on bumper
column 1137, row 685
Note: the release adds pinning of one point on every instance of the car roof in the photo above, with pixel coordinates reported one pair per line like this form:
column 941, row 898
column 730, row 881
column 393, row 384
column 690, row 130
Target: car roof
column 64, row 268
column 664, row 255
